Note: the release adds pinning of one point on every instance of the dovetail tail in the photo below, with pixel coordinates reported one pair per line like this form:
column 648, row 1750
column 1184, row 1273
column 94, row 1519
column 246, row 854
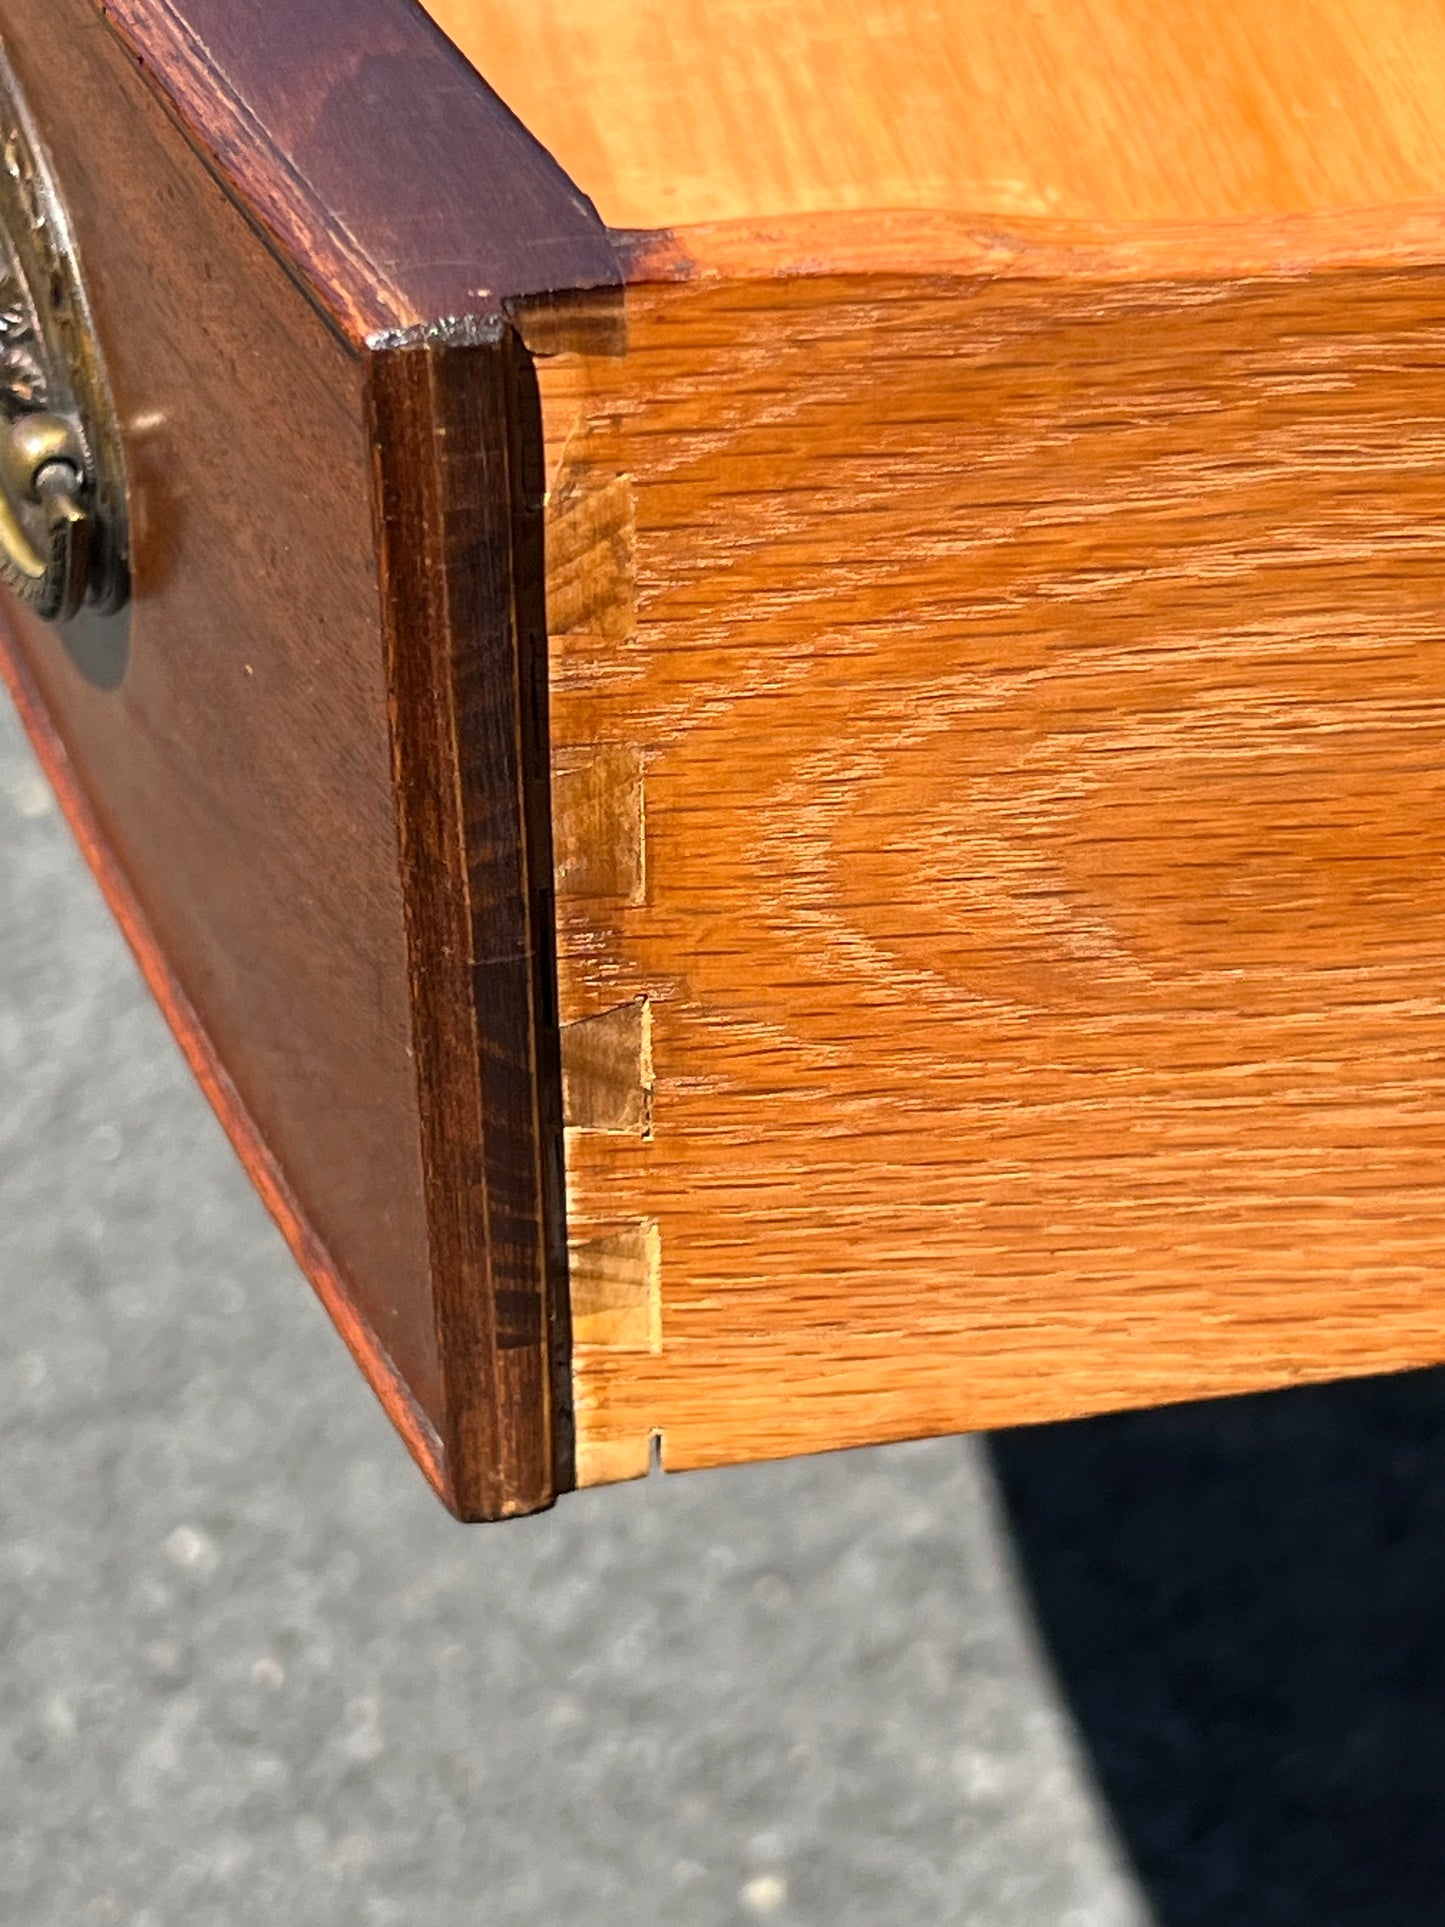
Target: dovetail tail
column 598, row 822
column 616, row 1286
column 592, row 554
column 616, row 1283
column 607, row 1076
column 610, row 1461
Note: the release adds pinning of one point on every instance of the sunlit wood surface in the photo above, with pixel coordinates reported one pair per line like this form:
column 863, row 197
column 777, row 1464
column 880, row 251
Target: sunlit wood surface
column 669, row 112
column 998, row 706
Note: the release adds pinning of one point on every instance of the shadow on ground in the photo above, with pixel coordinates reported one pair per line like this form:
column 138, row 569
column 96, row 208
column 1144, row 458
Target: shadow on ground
column 1245, row 1602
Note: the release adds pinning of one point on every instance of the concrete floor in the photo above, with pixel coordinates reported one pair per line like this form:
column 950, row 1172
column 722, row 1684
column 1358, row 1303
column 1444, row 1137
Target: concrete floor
column 1179, row 1668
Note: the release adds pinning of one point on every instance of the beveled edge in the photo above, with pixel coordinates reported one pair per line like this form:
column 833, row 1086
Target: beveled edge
column 396, row 185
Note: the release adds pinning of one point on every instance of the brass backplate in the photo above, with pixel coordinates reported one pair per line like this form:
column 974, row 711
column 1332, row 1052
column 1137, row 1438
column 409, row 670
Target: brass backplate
column 52, row 374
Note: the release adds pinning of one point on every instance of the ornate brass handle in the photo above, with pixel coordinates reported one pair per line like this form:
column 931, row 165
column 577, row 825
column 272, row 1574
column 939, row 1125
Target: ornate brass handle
column 62, row 487
column 43, row 480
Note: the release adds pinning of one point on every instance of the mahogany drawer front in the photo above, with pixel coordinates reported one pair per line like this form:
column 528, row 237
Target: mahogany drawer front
column 766, row 836
column 239, row 778
column 322, row 632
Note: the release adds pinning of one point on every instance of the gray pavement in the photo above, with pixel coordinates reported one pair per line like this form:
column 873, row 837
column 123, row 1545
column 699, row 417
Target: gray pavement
column 250, row 1671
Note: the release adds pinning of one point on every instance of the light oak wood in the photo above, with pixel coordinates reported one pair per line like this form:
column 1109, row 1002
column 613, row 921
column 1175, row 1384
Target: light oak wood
column 1035, row 673
column 672, row 112
column 993, row 562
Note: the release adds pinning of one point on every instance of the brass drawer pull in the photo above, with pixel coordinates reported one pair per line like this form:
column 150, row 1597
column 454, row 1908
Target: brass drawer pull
column 42, row 475
column 62, row 493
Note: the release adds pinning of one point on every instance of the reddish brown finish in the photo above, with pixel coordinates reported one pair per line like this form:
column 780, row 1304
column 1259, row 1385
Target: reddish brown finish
column 261, row 1167
column 466, row 668
column 241, row 773
column 322, row 781
column 393, row 179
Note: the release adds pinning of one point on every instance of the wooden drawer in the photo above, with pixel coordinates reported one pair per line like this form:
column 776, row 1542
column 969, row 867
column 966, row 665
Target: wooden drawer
column 808, row 817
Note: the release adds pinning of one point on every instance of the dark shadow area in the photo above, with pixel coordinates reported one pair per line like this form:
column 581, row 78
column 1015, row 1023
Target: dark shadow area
column 1245, row 1602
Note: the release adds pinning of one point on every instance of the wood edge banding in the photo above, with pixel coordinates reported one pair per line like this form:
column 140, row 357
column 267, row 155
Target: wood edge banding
column 457, row 464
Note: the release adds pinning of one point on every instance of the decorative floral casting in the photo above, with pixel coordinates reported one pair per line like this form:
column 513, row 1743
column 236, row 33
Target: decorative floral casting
column 22, row 373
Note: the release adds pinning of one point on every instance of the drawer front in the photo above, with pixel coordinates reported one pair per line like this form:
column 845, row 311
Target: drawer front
column 240, row 770
column 307, row 798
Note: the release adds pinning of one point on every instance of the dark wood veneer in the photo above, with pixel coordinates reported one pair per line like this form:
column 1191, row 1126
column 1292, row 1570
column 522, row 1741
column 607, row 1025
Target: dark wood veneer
column 392, row 178
column 474, row 862
column 318, row 798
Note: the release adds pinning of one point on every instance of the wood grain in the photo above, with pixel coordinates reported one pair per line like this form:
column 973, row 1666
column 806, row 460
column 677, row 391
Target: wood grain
column 271, row 1182
column 1038, row 685
column 616, row 1290
column 323, row 778
column 464, row 622
column 992, row 736
column 607, row 1070
column 241, row 773
column 673, row 112
column 357, row 139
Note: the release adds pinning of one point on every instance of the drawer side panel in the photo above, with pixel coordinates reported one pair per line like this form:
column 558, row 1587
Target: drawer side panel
column 1035, row 697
